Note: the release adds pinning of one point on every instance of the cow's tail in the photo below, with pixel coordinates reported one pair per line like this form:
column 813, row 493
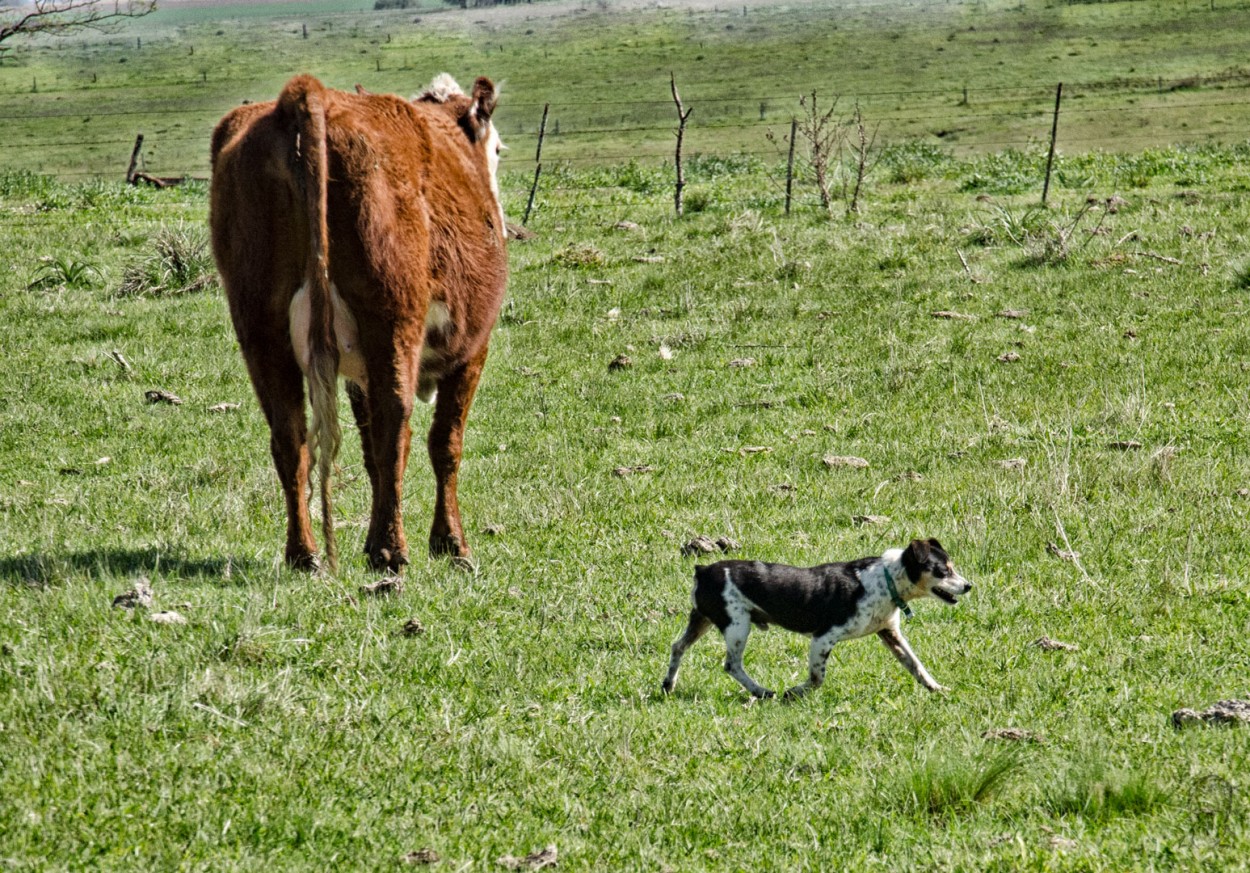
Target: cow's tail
column 303, row 102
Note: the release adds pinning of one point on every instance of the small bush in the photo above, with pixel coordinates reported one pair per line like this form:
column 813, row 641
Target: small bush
column 1007, row 172
column 179, row 263
column 696, row 200
column 912, row 162
column 63, row 272
column 713, row 167
column 23, row 183
column 580, row 256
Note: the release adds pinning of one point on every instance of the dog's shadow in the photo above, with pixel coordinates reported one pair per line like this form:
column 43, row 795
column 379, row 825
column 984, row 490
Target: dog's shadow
column 48, row 569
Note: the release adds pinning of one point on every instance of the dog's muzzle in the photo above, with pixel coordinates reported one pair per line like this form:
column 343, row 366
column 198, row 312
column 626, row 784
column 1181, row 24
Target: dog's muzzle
column 950, row 593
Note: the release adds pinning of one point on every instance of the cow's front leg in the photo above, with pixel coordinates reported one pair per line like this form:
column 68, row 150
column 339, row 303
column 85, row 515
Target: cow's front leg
column 387, row 409
column 455, row 395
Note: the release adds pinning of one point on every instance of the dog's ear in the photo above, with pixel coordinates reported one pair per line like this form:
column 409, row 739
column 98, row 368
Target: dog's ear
column 936, row 546
column 914, row 558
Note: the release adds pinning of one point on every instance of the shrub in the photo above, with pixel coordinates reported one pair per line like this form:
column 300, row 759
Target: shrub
column 917, row 161
column 179, row 263
column 63, row 272
column 579, row 256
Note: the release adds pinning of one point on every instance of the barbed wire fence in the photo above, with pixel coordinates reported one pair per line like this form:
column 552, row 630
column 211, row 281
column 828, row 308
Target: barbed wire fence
column 1118, row 114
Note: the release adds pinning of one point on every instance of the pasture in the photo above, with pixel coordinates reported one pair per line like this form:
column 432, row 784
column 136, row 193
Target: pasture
column 1058, row 395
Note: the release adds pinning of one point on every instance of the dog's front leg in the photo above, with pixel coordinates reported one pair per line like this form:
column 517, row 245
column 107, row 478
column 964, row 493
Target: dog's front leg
column 895, row 642
column 735, row 644
column 817, row 657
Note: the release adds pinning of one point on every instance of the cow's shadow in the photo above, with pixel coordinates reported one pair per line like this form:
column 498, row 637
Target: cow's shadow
column 50, row 569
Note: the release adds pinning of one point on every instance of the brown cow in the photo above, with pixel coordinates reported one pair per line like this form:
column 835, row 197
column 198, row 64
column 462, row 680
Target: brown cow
column 361, row 235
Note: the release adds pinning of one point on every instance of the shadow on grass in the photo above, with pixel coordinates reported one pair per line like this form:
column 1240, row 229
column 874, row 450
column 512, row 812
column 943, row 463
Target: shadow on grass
column 43, row 570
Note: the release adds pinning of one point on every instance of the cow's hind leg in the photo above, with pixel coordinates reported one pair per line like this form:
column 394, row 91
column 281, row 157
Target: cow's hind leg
column 279, row 386
column 360, row 410
column 455, row 395
column 388, row 407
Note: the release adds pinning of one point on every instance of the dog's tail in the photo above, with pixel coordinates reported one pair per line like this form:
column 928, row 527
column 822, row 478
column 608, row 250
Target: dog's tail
column 303, row 103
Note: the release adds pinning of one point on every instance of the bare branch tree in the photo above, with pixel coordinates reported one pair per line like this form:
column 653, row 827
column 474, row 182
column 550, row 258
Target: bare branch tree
column 821, row 134
column 682, row 115
column 862, row 160
column 64, row 17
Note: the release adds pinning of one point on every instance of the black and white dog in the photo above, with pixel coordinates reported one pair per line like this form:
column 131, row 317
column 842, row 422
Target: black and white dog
column 830, row 603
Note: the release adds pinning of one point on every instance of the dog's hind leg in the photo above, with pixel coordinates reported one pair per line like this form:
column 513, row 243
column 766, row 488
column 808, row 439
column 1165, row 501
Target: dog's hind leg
column 736, row 634
column 696, row 628
column 895, row 642
column 817, row 657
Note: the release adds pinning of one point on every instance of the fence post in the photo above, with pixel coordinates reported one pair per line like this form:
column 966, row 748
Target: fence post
column 794, row 132
column 1054, row 134
column 538, row 166
column 134, row 160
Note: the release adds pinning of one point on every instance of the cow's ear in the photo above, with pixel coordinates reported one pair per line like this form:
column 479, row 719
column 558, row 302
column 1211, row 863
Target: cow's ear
column 484, row 99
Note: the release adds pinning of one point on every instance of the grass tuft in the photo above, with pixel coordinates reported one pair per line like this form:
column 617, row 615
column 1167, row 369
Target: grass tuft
column 179, row 263
column 1094, row 791
column 1241, row 274
column 947, row 787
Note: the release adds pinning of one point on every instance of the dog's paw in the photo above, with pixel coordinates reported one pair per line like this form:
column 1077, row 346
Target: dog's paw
column 793, row 694
column 939, row 689
column 666, row 687
column 765, row 694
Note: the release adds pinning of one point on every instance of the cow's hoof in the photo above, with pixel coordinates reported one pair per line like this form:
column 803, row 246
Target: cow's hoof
column 305, row 562
column 385, row 559
column 448, row 544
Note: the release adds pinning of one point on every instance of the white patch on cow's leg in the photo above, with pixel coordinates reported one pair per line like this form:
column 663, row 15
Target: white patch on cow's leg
column 817, row 658
column 696, row 627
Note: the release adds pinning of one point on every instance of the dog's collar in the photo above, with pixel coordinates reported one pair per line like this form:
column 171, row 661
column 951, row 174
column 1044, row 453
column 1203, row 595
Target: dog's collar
column 894, row 595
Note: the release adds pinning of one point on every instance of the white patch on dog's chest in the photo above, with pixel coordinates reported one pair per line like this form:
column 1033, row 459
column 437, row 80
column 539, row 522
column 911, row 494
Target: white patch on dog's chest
column 876, row 609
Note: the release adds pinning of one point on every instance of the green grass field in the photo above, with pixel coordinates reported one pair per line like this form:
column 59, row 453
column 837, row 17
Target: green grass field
column 1072, row 426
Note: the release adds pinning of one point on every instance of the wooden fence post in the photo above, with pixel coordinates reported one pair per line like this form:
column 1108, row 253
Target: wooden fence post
column 794, row 132
column 1054, row 134
column 682, row 115
column 134, row 160
column 538, row 165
